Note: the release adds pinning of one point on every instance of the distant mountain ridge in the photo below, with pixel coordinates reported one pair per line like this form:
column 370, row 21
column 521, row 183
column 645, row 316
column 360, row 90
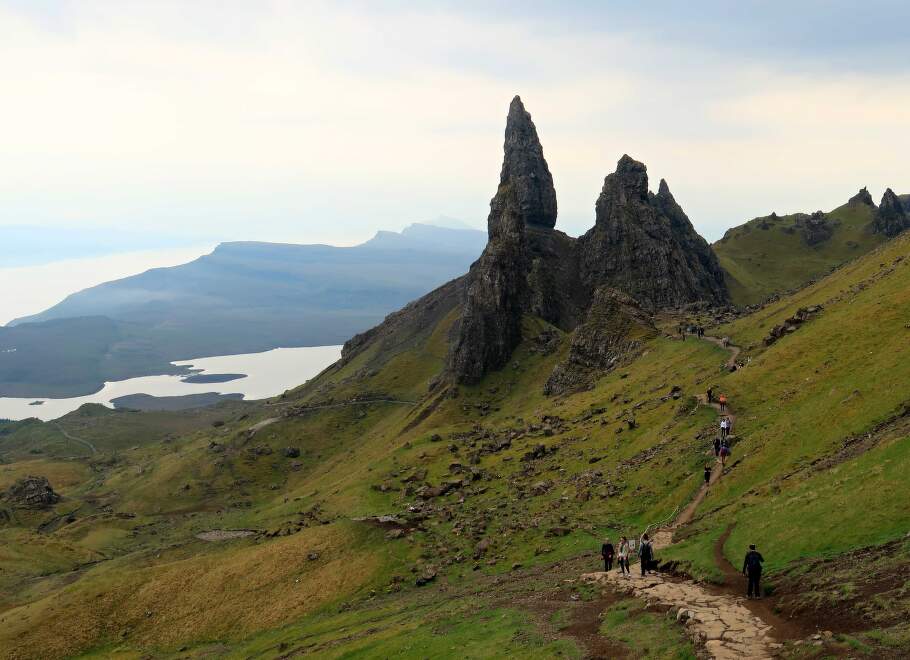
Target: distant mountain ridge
column 243, row 297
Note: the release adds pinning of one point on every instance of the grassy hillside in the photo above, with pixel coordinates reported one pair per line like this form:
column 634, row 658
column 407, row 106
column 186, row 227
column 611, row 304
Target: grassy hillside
column 498, row 497
column 773, row 254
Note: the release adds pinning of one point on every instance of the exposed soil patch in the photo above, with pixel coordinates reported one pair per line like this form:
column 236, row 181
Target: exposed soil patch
column 765, row 609
column 851, row 592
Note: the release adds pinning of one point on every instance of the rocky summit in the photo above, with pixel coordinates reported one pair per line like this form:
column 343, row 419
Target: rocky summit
column 891, row 218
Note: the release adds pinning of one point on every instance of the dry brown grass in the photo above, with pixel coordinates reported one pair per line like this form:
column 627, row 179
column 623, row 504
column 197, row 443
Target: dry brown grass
column 222, row 595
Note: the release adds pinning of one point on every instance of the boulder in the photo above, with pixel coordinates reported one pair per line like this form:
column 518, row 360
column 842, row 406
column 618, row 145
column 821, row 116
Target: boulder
column 32, row 493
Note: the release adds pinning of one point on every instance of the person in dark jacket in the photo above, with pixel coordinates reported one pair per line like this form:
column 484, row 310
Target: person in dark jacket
column 707, row 474
column 607, row 552
column 645, row 554
column 752, row 569
column 716, row 447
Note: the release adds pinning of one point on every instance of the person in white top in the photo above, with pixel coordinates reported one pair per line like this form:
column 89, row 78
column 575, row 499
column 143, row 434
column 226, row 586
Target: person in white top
column 624, row 555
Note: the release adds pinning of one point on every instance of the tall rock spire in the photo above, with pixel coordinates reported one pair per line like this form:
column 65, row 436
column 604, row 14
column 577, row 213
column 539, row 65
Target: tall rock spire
column 525, row 171
column 497, row 289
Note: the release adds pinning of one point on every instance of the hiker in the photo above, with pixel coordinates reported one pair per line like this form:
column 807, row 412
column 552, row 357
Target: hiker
column 716, row 447
column 645, row 555
column 707, row 474
column 724, row 453
column 752, row 568
column 606, row 551
column 722, row 400
column 624, row 555
column 726, row 342
column 709, row 395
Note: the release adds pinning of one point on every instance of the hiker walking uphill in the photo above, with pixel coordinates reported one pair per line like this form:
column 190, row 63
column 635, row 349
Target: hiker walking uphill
column 607, row 552
column 707, row 474
column 716, row 447
column 752, row 569
column 722, row 400
column 645, row 555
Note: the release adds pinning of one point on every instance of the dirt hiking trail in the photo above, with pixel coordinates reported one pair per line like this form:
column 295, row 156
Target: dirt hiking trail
column 729, row 626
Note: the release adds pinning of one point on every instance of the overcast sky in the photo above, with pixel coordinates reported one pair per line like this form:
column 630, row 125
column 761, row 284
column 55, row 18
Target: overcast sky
column 322, row 122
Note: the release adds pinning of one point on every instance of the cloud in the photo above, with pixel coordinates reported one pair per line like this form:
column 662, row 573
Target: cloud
column 325, row 121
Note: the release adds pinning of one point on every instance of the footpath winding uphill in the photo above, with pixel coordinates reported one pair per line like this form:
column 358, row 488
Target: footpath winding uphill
column 721, row 621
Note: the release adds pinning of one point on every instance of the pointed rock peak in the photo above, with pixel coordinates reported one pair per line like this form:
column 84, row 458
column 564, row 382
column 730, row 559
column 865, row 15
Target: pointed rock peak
column 890, row 199
column 862, row 197
column 629, row 182
column 517, row 108
column 890, row 218
column 663, row 190
column 525, row 169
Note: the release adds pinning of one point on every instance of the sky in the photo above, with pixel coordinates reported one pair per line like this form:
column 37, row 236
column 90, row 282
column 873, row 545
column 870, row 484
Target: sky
column 323, row 122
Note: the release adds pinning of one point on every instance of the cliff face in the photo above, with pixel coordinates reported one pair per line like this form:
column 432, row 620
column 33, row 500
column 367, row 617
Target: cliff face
column 644, row 245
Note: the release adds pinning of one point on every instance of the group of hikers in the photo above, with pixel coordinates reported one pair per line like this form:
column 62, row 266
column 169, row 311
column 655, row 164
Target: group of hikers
column 645, row 554
column 697, row 330
column 752, row 564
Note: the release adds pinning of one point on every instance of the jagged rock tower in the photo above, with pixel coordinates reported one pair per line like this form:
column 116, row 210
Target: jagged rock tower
column 644, row 245
column 891, row 218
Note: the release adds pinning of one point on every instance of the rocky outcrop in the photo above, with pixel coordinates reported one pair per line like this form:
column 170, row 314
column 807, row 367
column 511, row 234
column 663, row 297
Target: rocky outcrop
column 644, row 245
column 862, row 197
column 612, row 334
column 891, row 218
column 815, row 229
column 32, row 493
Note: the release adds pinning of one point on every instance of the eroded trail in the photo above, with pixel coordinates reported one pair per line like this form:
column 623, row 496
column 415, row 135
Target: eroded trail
column 725, row 623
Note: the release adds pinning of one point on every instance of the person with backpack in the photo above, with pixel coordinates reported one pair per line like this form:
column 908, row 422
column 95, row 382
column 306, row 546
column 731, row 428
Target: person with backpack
column 606, row 551
column 624, row 555
column 645, row 555
column 752, row 568
column 716, row 447
column 707, row 474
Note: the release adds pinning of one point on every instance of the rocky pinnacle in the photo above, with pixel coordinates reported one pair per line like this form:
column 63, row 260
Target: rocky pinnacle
column 891, row 218
column 525, row 170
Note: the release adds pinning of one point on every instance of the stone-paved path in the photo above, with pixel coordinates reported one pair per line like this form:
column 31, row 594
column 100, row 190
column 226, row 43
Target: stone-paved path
column 721, row 622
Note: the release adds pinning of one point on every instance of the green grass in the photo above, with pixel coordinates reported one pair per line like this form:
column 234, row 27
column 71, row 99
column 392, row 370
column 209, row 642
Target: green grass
column 768, row 255
column 143, row 499
column 652, row 635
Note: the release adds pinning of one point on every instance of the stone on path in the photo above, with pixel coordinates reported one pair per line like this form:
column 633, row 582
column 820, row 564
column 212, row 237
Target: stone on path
column 722, row 623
